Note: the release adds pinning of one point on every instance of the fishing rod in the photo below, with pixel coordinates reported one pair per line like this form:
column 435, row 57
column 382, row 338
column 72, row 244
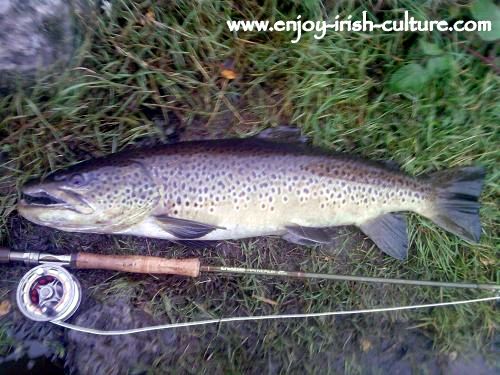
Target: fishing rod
column 48, row 292
column 192, row 267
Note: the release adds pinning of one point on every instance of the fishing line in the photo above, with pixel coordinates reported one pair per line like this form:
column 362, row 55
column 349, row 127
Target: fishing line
column 48, row 292
column 100, row 332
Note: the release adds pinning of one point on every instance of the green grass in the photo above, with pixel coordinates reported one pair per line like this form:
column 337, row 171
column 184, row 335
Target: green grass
column 338, row 91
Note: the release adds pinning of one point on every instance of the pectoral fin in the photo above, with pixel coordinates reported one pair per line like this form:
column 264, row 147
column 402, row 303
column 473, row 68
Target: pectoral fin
column 307, row 235
column 389, row 233
column 184, row 229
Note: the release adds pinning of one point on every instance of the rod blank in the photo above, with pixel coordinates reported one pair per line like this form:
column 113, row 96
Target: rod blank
column 327, row 276
column 192, row 267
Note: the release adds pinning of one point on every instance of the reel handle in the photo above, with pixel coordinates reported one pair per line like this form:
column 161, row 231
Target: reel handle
column 137, row 264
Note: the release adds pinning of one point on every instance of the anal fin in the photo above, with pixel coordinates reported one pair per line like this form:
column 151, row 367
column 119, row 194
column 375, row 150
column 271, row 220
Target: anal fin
column 389, row 233
column 308, row 236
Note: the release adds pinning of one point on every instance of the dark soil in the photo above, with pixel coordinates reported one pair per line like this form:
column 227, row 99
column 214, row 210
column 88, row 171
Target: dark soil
column 369, row 344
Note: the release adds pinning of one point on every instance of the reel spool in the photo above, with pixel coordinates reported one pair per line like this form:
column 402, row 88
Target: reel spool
column 48, row 292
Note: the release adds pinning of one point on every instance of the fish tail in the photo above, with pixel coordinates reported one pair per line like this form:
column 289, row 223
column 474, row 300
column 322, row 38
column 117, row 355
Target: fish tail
column 456, row 206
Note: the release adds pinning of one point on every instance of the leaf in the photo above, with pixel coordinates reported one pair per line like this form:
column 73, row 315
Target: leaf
column 228, row 74
column 227, row 70
column 366, row 345
column 149, row 17
column 410, row 78
column 440, row 65
column 486, row 10
column 266, row 300
column 487, row 261
column 4, row 307
column 429, row 49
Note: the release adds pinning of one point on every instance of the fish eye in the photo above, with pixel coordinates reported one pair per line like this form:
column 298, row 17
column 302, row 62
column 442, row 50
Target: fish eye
column 77, row 180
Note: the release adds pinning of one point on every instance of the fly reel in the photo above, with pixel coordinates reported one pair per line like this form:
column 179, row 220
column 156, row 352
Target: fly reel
column 48, row 292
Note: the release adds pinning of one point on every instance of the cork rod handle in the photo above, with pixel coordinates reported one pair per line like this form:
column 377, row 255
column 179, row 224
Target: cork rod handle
column 138, row 264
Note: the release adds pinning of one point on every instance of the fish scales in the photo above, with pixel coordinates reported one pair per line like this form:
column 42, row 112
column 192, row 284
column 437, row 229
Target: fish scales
column 253, row 190
column 231, row 189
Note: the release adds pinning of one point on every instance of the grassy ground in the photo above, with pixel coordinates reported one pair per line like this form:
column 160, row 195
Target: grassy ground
column 151, row 71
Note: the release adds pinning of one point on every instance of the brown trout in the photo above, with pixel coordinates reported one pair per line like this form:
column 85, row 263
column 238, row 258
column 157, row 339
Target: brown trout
column 231, row 189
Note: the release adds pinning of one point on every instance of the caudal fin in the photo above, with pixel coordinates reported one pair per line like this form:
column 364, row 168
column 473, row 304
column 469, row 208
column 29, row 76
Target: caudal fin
column 457, row 207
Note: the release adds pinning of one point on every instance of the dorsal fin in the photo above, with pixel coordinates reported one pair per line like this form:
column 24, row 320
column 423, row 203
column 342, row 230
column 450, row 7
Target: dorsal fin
column 283, row 133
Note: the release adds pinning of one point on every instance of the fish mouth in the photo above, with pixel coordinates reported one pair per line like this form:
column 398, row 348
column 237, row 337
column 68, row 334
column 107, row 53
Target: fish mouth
column 39, row 198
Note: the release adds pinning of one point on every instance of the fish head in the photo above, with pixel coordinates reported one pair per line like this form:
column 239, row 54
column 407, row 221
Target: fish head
column 94, row 197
